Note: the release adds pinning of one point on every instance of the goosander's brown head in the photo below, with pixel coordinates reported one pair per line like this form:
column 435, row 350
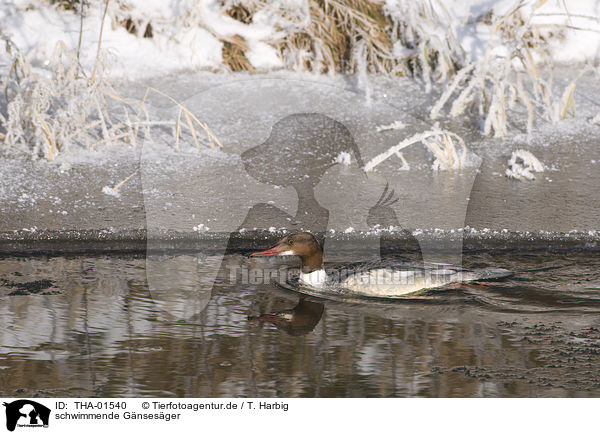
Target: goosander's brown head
column 304, row 245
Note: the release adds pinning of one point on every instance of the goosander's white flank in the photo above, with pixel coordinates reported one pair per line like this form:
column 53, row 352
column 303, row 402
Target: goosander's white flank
column 371, row 279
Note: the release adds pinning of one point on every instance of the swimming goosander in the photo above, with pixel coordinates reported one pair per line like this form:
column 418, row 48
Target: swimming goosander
column 371, row 279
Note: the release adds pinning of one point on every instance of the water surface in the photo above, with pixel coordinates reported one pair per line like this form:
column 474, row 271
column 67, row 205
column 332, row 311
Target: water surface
column 89, row 326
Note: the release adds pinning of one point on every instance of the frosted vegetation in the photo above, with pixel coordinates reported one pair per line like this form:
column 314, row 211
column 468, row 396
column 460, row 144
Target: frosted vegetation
column 522, row 164
column 441, row 145
column 63, row 105
column 493, row 59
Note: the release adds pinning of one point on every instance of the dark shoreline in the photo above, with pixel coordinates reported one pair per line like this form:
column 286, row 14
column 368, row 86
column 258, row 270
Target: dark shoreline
column 40, row 242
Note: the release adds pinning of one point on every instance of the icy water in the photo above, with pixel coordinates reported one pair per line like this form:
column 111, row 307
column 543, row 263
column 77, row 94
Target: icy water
column 89, row 326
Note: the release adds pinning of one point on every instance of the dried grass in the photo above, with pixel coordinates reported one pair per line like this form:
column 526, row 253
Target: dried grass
column 48, row 112
column 424, row 40
column 120, row 184
column 330, row 36
column 522, row 164
column 234, row 57
column 326, row 41
column 439, row 142
column 499, row 83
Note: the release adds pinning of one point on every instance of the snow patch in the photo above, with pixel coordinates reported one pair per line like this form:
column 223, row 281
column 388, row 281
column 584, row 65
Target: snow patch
column 344, row 158
column 110, row 192
column 398, row 125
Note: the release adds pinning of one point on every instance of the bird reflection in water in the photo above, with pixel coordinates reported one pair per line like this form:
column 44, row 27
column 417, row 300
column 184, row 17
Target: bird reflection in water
column 298, row 321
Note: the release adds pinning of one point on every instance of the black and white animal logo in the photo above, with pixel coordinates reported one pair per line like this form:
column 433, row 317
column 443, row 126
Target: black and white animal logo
column 26, row 413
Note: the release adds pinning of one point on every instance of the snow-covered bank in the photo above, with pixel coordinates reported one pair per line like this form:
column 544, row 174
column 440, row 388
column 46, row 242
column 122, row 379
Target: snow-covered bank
column 155, row 37
column 492, row 60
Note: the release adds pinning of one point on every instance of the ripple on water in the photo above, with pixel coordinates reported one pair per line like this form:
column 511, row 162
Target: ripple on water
column 537, row 333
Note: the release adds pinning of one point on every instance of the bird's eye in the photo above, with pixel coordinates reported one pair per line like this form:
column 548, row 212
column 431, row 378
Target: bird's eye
column 291, row 242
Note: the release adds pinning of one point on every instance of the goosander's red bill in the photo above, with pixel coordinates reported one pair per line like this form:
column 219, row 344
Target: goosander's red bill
column 274, row 251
